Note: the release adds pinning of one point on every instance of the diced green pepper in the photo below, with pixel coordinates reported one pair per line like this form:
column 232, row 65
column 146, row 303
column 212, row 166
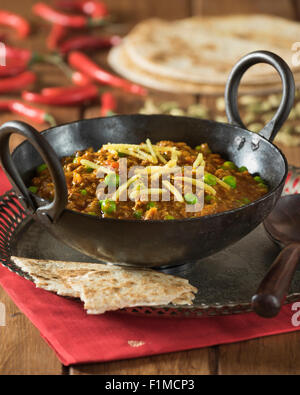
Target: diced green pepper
column 150, row 205
column 122, row 155
column 138, row 214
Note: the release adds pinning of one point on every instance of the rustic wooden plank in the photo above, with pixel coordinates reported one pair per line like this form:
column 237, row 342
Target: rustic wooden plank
column 296, row 6
column 132, row 11
column 282, row 8
column 22, row 349
column 185, row 362
column 292, row 154
column 268, row 355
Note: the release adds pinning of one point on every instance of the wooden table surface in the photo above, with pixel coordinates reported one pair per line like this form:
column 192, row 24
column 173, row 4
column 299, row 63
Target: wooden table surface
column 22, row 350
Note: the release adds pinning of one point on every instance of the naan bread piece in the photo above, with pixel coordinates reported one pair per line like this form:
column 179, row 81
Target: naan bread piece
column 130, row 287
column 53, row 275
column 204, row 50
column 106, row 287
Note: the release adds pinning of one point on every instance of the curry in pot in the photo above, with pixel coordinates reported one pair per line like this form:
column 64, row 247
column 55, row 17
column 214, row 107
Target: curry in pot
column 90, row 175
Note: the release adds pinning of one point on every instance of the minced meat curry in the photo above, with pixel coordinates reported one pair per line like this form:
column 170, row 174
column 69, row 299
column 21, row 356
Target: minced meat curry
column 224, row 186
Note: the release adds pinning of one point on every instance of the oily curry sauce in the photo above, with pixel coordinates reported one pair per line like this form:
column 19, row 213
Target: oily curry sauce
column 241, row 187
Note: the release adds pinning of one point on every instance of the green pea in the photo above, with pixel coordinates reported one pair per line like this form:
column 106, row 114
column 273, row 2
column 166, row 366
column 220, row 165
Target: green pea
column 204, row 148
column 122, row 155
column 242, row 169
column 229, row 166
column 243, row 201
column 33, row 189
column 190, row 198
column 230, row 180
column 41, row 168
column 150, row 205
column 108, row 206
column 138, row 214
column 209, row 199
column 263, row 185
column 246, row 200
column 258, row 179
column 112, row 180
column 210, row 179
column 168, row 217
column 83, row 192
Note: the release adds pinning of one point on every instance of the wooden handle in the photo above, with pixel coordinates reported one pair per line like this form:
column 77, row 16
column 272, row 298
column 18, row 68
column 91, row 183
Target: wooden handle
column 269, row 297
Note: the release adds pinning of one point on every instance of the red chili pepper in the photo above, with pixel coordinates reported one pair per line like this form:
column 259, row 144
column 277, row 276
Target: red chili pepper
column 80, row 79
column 114, row 165
column 4, row 105
column 84, row 64
column 17, row 61
column 56, row 35
column 90, row 7
column 61, row 90
column 76, row 97
column 18, row 53
column 75, row 21
column 34, row 114
column 17, row 83
column 88, row 42
column 15, row 21
column 108, row 104
column 96, row 9
column 49, row 14
column 12, row 68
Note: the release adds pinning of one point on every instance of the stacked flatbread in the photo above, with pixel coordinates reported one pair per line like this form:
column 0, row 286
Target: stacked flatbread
column 102, row 287
column 196, row 55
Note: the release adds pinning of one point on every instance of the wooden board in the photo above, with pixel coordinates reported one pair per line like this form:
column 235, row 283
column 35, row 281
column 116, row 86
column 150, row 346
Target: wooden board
column 284, row 8
column 186, row 362
column 268, row 355
column 22, row 349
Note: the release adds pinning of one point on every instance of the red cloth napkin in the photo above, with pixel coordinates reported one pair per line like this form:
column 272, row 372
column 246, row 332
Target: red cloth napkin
column 79, row 338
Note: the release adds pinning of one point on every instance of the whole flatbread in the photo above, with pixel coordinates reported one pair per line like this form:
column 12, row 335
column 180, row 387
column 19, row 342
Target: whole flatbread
column 204, row 50
column 103, row 287
column 123, row 65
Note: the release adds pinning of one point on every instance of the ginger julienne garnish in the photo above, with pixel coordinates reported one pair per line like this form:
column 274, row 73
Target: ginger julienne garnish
column 152, row 181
